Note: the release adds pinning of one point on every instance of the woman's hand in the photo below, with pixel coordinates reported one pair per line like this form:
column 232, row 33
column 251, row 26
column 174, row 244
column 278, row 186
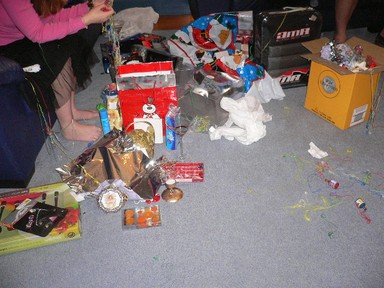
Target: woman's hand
column 98, row 14
column 100, row 2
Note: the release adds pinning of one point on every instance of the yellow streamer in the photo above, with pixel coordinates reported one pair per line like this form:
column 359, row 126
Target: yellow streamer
column 312, row 207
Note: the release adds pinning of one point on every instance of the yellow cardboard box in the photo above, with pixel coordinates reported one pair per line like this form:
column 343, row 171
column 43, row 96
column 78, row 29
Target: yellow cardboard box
column 339, row 96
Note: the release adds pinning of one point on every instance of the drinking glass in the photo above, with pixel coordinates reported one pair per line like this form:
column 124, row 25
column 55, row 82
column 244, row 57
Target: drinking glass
column 182, row 124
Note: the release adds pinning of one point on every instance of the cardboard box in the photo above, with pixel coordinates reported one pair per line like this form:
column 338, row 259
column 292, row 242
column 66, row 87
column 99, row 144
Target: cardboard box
column 57, row 194
column 337, row 95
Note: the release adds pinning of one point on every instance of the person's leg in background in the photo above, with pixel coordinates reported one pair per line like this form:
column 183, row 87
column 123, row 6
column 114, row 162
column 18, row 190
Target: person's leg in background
column 343, row 12
column 380, row 38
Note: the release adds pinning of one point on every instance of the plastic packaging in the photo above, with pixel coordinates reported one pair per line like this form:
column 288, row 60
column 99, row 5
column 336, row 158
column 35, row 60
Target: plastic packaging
column 111, row 101
column 170, row 135
column 106, row 65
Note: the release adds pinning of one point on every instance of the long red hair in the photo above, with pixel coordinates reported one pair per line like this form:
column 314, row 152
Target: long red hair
column 48, row 7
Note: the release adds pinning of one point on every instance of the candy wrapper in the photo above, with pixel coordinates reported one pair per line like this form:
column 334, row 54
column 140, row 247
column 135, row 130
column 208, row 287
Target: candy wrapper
column 118, row 155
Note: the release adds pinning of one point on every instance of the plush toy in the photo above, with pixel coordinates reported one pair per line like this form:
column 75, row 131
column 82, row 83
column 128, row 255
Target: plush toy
column 246, row 119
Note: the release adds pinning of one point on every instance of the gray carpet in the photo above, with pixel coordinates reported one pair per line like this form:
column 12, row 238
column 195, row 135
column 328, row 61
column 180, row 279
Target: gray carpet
column 262, row 217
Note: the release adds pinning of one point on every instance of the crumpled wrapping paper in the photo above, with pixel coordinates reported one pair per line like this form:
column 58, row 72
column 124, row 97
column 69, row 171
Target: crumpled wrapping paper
column 222, row 42
column 118, row 155
column 348, row 57
column 316, row 152
column 202, row 41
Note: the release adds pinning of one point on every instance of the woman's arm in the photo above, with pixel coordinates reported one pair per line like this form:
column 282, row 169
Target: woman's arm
column 33, row 27
column 67, row 13
column 29, row 23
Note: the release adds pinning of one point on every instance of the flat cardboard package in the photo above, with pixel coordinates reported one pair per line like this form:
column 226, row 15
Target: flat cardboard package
column 58, row 195
column 337, row 95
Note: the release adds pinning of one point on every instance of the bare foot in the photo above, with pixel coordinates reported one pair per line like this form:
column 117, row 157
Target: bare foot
column 80, row 132
column 84, row 114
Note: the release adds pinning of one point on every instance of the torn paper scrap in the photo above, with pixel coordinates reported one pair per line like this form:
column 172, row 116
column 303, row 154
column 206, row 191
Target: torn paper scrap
column 316, row 152
column 32, row 69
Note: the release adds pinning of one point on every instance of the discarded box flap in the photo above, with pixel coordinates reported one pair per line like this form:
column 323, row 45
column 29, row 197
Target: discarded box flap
column 368, row 49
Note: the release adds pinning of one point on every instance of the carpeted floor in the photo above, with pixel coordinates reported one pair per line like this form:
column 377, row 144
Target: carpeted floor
column 263, row 217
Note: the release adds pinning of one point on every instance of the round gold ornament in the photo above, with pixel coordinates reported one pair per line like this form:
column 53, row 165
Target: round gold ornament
column 172, row 194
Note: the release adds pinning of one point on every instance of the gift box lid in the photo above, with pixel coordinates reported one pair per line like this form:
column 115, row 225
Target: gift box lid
column 145, row 69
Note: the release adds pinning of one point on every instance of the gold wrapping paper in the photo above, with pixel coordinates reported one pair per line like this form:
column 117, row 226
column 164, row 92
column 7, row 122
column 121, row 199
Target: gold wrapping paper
column 118, row 155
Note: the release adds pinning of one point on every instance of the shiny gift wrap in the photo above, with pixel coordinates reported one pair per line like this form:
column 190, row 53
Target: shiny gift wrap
column 118, row 155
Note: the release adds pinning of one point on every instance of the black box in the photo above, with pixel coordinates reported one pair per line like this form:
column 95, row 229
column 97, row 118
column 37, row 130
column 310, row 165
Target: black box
column 277, row 47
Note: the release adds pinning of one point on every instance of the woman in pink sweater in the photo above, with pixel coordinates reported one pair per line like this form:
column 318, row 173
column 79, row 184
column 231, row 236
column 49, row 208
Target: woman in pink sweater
column 44, row 32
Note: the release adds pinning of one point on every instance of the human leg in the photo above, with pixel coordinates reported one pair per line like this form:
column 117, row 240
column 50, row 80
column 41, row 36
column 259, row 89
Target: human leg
column 71, row 129
column 343, row 12
column 67, row 113
column 65, row 84
column 81, row 114
column 380, row 39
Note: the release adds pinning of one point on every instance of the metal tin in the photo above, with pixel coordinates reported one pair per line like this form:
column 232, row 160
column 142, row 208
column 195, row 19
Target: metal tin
column 334, row 184
column 360, row 203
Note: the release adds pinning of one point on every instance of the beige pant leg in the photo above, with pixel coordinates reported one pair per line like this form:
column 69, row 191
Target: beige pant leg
column 64, row 84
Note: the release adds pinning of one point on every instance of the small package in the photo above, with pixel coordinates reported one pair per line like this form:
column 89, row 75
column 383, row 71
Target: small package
column 184, row 171
column 35, row 217
column 141, row 217
column 54, row 195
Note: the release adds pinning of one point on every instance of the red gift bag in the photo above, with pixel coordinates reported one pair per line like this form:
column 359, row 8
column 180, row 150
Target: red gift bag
column 141, row 85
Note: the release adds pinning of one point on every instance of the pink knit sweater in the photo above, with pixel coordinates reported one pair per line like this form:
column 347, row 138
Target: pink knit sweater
column 18, row 19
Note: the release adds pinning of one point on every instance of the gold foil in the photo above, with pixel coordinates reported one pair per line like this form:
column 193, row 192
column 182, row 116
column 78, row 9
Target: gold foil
column 144, row 139
column 116, row 156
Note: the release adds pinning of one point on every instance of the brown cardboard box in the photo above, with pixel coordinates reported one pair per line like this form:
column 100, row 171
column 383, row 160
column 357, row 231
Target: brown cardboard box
column 337, row 95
